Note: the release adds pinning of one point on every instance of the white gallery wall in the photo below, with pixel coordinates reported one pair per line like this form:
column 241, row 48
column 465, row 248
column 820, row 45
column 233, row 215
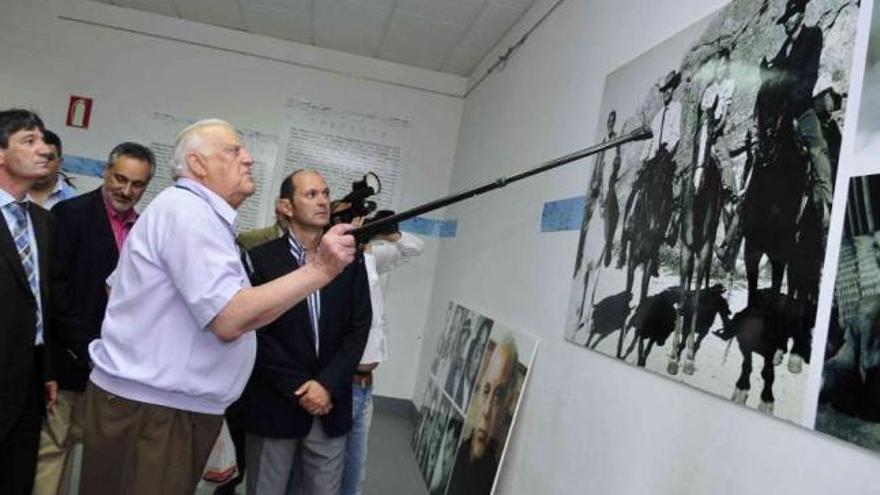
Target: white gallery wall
column 588, row 423
column 46, row 57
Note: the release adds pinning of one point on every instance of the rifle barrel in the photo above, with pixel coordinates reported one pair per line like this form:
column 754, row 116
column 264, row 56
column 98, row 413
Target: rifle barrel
column 365, row 233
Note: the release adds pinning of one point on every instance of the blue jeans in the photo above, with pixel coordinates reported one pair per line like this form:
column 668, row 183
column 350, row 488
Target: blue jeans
column 354, row 471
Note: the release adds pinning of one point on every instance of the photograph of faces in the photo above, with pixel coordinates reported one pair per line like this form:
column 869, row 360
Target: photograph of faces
column 459, row 352
column 701, row 250
column 440, row 365
column 434, row 440
column 477, row 377
column 425, row 433
column 490, row 414
column 460, row 387
column 428, row 401
column 438, row 478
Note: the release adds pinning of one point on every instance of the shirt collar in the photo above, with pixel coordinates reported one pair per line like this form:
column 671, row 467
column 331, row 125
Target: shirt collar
column 63, row 188
column 218, row 204
column 6, row 198
column 295, row 245
column 59, row 185
column 59, row 189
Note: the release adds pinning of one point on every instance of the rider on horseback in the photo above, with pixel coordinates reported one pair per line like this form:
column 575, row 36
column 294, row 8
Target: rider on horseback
column 653, row 182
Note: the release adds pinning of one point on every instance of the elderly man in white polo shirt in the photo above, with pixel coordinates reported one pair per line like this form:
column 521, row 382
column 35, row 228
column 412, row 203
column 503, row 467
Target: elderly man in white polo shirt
column 177, row 345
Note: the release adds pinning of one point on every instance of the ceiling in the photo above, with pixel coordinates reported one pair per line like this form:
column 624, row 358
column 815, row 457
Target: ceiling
column 444, row 35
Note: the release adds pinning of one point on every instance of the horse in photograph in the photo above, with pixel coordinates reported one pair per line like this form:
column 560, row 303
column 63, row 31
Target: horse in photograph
column 804, row 274
column 781, row 221
column 609, row 316
column 698, row 320
column 700, row 214
column 761, row 328
column 655, row 318
column 776, row 189
column 653, row 321
column 647, row 216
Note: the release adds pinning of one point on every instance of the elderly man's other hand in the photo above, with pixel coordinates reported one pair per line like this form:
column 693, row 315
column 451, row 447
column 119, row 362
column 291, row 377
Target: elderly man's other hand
column 336, row 250
column 314, row 398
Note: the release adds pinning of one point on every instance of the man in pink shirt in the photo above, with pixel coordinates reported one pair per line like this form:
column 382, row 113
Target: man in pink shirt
column 91, row 230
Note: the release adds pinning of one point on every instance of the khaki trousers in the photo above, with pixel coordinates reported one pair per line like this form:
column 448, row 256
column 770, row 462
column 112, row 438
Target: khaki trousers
column 61, row 432
column 135, row 448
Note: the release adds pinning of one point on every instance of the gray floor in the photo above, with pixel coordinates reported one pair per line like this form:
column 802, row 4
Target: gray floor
column 391, row 467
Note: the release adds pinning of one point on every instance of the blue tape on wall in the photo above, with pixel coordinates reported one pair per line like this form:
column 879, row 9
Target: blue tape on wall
column 564, row 214
column 82, row 166
column 430, row 228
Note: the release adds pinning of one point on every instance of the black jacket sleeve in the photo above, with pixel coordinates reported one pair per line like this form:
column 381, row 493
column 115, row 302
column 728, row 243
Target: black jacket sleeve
column 273, row 361
column 64, row 321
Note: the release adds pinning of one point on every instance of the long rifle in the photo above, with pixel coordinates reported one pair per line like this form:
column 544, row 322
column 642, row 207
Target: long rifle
column 365, row 233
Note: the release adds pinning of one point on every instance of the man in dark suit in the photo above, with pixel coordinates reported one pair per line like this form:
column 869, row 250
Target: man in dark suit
column 89, row 235
column 26, row 386
column 297, row 405
column 797, row 67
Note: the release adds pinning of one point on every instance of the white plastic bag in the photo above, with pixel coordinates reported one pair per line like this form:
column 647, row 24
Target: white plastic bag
column 221, row 466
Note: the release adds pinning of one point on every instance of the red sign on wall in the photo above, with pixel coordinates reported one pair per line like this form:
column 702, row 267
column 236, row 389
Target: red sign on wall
column 79, row 111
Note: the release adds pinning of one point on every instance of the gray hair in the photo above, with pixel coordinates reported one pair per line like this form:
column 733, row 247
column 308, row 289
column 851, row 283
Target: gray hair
column 190, row 139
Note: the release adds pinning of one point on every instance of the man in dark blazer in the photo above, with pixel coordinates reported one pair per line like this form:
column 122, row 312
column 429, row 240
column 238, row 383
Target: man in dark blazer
column 26, row 386
column 796, row 65
column 90, row 231
column 297, row 405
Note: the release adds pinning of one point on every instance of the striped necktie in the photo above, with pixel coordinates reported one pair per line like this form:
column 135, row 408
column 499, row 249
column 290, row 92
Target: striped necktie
column 21, row 236
column 313, row 299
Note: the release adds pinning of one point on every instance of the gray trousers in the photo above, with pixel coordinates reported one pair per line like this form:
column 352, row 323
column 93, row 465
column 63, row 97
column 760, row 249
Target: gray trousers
column 316, row 461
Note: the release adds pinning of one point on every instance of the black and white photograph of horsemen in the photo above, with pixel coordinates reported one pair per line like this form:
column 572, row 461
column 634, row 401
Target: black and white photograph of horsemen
column 700, row 251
